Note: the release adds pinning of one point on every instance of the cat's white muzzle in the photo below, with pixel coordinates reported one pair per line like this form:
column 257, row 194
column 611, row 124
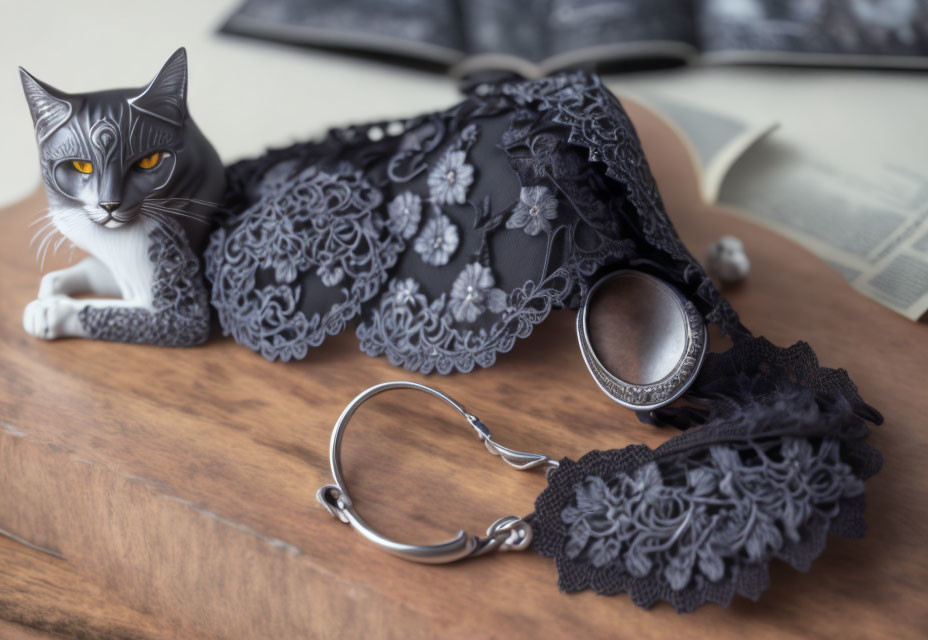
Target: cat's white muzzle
column 113, row 220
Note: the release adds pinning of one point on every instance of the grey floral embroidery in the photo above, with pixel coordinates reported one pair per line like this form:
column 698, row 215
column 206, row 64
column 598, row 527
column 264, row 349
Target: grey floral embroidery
column 473, row 292
column 405, row 212
column 725, row 510
column 450, row 178
column 437, row 241
column 319, row 224
column 330, row 274
column 772, row 468
column 537, row 205
column 404, row 291
column 420, row 334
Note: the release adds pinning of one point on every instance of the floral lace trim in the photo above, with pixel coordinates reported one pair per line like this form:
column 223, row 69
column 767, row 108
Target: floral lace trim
column 420, row 335
column 315, row 224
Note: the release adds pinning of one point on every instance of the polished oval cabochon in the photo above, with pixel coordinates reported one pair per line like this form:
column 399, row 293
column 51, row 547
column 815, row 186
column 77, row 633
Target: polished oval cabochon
column 642, row 341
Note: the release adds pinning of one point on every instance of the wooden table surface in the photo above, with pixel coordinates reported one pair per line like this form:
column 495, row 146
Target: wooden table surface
column 175, row 488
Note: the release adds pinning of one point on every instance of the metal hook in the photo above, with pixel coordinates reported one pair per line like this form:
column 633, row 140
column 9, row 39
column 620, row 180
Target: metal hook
column 508, row 533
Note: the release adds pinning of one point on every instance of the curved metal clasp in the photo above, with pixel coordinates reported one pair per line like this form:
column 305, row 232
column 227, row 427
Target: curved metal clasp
column 509, row 533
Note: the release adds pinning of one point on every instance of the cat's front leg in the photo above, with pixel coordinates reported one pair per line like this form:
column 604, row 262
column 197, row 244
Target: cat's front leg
column 89, row 275
column 54, row 314
column 58, row 316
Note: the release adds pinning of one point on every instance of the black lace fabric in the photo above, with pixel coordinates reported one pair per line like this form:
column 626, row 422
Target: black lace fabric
column 773, row 461
column 448, row 236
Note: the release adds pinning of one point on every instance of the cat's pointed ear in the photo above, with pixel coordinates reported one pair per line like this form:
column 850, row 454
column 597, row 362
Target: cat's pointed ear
column 49, row 107
column 165, row 97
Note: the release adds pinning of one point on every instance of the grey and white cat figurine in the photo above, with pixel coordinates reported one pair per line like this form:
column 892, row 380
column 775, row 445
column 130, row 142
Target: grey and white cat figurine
column 132, row 181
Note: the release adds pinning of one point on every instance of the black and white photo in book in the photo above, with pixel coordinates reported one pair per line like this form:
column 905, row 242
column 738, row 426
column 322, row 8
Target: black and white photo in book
column 536, row 37
column 853, row 32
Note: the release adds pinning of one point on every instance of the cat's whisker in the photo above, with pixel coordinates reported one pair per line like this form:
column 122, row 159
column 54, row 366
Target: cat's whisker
column 46, row 234
column 160, row 219
column 38, row 254
column 58, row 244
column 46, row 214
column 43, row 229
column 160, row 215
column 206, row 203
column 46, row 247
column 180, row 206
column 43, row 248
column 151, row 212
column 165, row 223
column 39, row 249
column 152, row 215
column 167, row 209
column 178, row 213
column 50, row 231
column 185, row 216
column 151, row 204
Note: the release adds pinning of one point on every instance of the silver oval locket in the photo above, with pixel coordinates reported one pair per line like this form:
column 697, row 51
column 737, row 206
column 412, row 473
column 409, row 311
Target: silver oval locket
column 642, row 341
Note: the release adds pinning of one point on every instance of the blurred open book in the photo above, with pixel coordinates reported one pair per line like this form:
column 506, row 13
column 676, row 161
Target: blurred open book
column 844, row 173
column 535, row 37
column 715, row 139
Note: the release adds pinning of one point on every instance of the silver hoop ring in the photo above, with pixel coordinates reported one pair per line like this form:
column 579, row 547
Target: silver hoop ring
column 508, row 533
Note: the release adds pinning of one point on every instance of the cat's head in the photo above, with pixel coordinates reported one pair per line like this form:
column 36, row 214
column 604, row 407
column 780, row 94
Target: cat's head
column 108, row 155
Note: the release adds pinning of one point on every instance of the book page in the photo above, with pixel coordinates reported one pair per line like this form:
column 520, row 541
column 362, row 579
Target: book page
column 868, row 222
column 845, row 175
column 892, row 33
column 714, row 140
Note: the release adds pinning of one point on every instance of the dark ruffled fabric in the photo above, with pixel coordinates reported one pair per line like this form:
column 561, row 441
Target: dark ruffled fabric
column 470, row 225
column 774, row 462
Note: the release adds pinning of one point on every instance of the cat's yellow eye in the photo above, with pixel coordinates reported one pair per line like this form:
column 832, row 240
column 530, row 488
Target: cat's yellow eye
column 150, row 161
column 82, row 165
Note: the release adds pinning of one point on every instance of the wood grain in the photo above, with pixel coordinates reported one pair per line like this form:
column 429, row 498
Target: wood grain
column 182, row 482
column 12, row 631
column 45, row 597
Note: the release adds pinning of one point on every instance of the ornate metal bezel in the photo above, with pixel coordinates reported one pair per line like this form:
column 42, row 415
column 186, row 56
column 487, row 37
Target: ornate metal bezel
column 645, row 397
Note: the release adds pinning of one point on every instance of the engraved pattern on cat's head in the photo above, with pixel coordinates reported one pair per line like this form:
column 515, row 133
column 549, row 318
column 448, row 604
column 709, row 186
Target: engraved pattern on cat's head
column 103, row 153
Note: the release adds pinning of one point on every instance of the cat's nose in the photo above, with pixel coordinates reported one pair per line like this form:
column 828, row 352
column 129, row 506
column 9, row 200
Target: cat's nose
column 109, row 207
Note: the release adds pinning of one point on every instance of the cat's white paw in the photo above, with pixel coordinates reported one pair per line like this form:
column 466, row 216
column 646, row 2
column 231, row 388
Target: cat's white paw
column 51, row 317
